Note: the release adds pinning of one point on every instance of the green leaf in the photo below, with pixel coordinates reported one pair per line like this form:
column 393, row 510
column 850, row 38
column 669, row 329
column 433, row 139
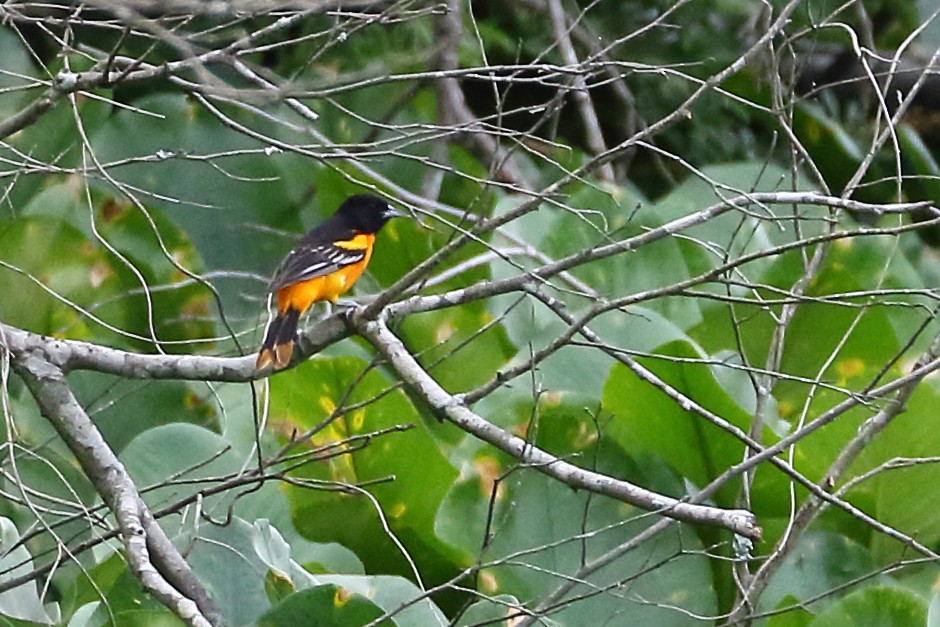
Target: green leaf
column 550, row 531
column 226, row 562
column 921, row 162
column 85, row 615
column 878, row 606
column 498, row 510
column 735, row 232
column 118, row 590
column 410, row 472
column 40, row 253
column 933, row 610
column 598, row 217
column 821, row 561
column 834, row 151
column 83, row 594
column 393, row 594
column 177, row 449
column 896, row 498
column 794, row 616
column 147, row 618
column 151, row 404
column 191, row 455
column 843, row 347
column 558, row 424
column 407, row 603
column 270, row 547
column 460, row 346
column 323, row 606
column 646, row 421
column 52, row 138
column 22, row 602
column 496, row 610
column 17, row 66
column 103, row 267
column 219, row 208
column 277, row 586
column 924, row 177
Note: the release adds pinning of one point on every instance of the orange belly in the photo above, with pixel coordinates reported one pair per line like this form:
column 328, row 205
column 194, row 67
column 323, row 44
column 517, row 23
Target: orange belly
column 301, row 296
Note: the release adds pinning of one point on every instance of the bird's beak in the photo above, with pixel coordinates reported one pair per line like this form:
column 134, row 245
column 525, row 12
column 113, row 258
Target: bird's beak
column 391, row 212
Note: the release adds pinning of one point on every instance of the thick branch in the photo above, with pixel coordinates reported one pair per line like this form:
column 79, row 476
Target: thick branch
column 514, row 283
column 145, row 543
column 451, row 408
column 69, row 355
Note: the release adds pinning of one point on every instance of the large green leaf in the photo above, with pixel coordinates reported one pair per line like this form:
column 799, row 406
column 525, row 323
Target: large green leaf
column 22, row 602
column 460, row 346
column 546, row 531
column 52, row 138
column 596, row 219
column 933, row 610
column 821, row 561
column 159, row 454
column 490, row 610
column 896, row 498
column 123, row 409
column 736, row 232
column 191, row 454
column 923, row 182
column 412, row 473
column 18, row 66
column 648, row 422
column 398, row 597
column 56, row 244
column 842, row 347
column 120, row 595
column 220, row 208
column 792, row 615
column 227, row 563
column 324, row 606
column 40, row 252
column 835, row 152
column 879, row 606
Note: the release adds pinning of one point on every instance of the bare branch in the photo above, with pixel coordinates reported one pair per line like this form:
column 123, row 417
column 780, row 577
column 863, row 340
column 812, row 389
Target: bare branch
column 147, row 547
column 453, row 409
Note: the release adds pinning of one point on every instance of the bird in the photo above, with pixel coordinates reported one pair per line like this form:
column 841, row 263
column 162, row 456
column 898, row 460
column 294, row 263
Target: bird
column 323, row 266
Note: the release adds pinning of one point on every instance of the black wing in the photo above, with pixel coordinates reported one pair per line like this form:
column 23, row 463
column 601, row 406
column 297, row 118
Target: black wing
column 307, row 262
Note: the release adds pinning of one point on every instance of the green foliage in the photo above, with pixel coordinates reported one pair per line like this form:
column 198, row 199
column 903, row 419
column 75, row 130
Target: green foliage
column 22, row 603
column 409, row 472
column 374, row 512
column 331, row 606
column 645, row 421
column 874, row 607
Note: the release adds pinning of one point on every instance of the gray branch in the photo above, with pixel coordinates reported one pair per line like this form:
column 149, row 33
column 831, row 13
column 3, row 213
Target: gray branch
column 150, row 553
column 450, row 407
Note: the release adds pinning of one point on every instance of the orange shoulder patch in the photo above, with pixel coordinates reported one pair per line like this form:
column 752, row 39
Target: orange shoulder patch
column 361, row 241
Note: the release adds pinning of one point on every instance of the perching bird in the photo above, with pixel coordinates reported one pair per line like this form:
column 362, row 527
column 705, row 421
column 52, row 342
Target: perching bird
column 323, row 266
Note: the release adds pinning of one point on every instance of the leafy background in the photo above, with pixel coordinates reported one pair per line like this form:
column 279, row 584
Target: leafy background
column 136, row 216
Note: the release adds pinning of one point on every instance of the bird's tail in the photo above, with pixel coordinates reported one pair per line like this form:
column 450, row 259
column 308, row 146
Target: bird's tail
column 278, row 342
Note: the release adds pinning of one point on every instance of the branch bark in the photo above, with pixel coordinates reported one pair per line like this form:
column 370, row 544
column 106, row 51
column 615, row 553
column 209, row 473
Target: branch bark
column 452, row 408
column 452, row 107
column 154, row 560
column 592, row 125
